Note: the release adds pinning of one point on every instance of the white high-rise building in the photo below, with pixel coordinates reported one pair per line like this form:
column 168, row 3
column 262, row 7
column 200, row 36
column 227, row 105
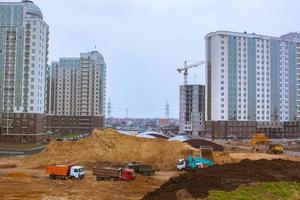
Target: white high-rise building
column 251, row 77
column 23, row 63
column 23, row 57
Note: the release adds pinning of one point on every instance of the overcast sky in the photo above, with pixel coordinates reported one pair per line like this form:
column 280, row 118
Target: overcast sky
column 144, row 41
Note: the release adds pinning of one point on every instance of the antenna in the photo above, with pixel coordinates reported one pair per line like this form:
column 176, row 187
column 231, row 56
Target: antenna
column 127, row 113
column 167, row 110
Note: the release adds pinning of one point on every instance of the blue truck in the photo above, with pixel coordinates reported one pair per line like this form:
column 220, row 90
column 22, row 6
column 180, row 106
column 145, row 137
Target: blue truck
column 193, row 162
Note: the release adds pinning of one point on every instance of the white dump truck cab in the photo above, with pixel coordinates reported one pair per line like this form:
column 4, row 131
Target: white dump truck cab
column 181, row 164
column 77, row 172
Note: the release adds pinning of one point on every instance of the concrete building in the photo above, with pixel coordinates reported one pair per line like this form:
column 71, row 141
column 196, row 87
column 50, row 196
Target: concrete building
column 23, row 57
column 252, row 77
column 77, row 93
column 294, row 36
column 192, row 109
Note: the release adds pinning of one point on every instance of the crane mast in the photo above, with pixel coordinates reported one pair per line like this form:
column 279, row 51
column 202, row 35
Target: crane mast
column 186, row 67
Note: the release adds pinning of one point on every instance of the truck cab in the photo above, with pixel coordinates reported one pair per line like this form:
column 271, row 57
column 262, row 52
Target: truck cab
column 193, row 163
column 77, row 172
column 181, row 164
column 127, row 174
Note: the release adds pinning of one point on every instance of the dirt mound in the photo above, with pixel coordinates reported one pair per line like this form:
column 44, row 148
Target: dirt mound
column 112, row 147
column 227, row 177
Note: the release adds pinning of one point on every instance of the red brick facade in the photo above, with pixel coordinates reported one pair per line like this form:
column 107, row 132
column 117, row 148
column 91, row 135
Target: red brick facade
column 73, row 124
column 22, row 127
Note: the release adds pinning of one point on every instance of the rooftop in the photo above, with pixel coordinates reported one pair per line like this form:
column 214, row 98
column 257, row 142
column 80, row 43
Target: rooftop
column 32, row 9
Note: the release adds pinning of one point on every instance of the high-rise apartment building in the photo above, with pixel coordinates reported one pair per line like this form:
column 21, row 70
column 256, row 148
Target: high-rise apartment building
column 252, row 77
column 192, row 109
column 77, row 93
column 294, row 36
column 23, row 60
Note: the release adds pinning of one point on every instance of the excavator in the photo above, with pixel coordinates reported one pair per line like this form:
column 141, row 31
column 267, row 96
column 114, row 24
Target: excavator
column 261, row 143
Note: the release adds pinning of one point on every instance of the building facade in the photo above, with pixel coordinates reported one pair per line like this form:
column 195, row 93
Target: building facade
column 77, row 93
column 23, row 61
column 230, row 129
column 252, row 77
column 192, row 109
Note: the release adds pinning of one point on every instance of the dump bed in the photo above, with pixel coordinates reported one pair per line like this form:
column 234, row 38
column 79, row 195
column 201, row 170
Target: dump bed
column 106, row 172
column 58, row 170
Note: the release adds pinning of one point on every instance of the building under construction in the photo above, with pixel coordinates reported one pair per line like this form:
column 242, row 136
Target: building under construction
column 192, row 109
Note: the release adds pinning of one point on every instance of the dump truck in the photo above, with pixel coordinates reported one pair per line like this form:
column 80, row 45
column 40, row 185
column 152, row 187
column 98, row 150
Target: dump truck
column 114, row 174
column 65, row 171
column 193, row 162
column 145, row 170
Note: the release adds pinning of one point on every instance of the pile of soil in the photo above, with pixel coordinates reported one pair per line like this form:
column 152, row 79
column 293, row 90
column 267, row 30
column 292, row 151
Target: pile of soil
column 112, row 147
column 227, row 177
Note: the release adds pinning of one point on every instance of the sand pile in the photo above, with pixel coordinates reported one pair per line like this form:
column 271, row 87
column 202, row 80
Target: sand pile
column 227, row 177
column 112, row 147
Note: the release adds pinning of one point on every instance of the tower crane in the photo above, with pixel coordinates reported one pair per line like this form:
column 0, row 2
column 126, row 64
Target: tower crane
column 186, row 67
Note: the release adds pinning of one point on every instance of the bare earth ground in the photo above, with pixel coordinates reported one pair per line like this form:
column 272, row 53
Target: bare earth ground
column 34, row 184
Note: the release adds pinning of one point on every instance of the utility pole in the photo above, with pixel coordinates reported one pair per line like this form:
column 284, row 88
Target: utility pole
column 109, row 107
column 167, row 110
column 108, row 113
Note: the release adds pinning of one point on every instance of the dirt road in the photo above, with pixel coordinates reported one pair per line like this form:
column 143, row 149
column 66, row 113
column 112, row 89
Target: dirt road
column 34, row 184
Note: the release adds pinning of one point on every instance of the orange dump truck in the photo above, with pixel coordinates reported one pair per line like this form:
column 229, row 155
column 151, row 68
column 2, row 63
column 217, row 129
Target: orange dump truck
column 64, row 172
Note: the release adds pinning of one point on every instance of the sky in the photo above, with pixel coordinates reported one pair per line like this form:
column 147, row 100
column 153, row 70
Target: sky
column 144, row 41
